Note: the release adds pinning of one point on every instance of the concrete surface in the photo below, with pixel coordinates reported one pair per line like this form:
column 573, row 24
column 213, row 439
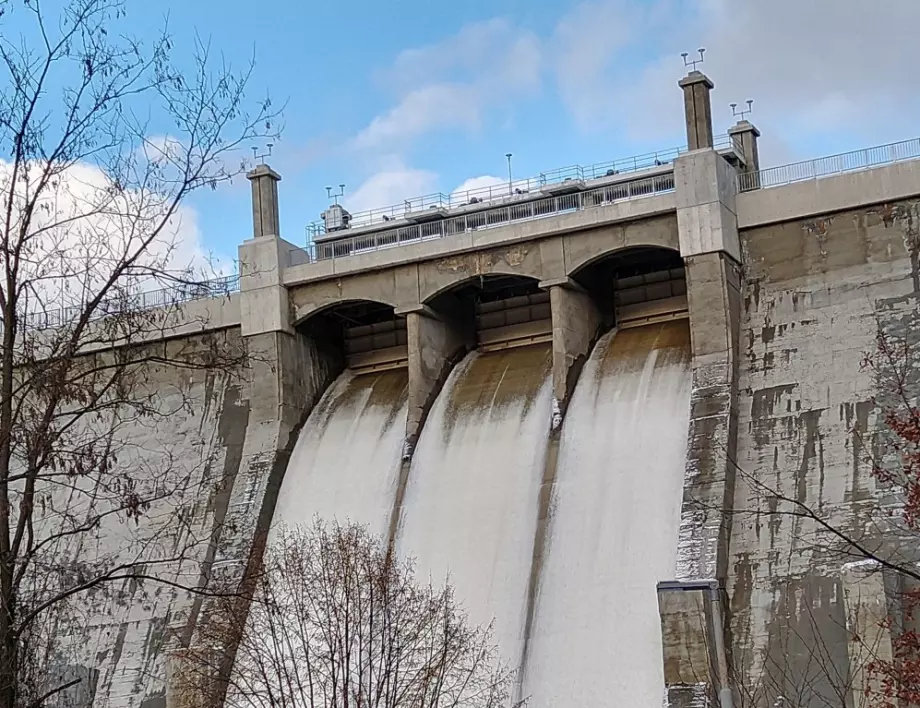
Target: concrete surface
column 577, row 324
column 117, row 636
column 815, row 293
column 435, row 345
column 405, row 286
column 786, row 289
column 810, row 198
column 705, row 187
column 484, row 239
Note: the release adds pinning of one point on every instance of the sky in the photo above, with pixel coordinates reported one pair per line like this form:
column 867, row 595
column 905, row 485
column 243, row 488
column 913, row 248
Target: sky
column 399, row 99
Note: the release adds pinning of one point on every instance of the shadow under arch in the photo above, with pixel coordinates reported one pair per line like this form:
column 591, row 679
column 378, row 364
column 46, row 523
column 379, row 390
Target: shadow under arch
column 495, row 310
column 635, row 285
column 364, row 335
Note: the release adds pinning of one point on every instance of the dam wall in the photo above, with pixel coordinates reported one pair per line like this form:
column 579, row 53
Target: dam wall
column 183, row 452
column 567, row 404
column 817, row 290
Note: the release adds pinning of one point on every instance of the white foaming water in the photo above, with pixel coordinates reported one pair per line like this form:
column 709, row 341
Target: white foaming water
column 345, row 464
column 596, row 637
column 471, row 502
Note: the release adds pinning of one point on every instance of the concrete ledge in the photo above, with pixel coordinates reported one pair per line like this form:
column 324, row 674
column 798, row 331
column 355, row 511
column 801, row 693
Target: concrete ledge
column 630, row 210
column 851, row 190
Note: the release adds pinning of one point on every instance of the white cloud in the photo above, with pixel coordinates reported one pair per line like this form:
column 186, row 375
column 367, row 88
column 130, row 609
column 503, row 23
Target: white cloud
column 453, row 83
column 479, row 184
column 83, row 228
column 391, row 186
column 814, row 69
column 435, row 106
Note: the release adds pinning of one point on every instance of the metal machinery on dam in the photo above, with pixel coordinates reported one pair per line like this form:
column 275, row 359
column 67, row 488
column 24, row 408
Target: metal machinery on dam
column 556, row 391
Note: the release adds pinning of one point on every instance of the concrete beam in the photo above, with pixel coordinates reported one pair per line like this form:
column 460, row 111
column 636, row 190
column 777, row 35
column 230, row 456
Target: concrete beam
column 577, row 323
column 714, row 303
column 619, row 212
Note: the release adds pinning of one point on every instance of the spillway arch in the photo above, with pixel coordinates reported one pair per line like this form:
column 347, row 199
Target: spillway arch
column 495, row 310
column 307, row 312
column 635, row 285
column 358, row 334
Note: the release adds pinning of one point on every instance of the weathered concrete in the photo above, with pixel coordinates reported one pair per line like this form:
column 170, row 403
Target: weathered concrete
column 815, row 293
column 745, row 135
column 117, row 636
column 714, row 300
column 690, row 664
column 264, row 201
column 697, row 109
column 870, row 635
column 577, row 324
column 545, row 259
column 435, row 345
column 706, row 186
column 634, row 210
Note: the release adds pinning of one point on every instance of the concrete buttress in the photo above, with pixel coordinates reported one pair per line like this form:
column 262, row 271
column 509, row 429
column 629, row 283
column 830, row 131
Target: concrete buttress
column 706, row 186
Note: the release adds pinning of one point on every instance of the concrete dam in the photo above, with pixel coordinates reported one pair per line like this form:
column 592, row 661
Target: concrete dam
column 562, row 395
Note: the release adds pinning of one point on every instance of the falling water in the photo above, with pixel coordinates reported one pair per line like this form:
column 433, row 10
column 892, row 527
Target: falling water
column 345, row 464
column 596, row 638
column 471, row 502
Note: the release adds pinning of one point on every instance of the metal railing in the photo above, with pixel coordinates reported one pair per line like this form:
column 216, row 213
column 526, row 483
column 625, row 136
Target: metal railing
column 477, row 221
column 831, row 165
column 511, row 191
column 50, row 318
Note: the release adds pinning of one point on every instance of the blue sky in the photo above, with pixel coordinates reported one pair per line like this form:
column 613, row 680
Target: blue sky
column 396, row 99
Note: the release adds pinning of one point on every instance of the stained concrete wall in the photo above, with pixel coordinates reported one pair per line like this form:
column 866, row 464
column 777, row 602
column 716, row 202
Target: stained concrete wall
column 117, row 636
column 815, row 292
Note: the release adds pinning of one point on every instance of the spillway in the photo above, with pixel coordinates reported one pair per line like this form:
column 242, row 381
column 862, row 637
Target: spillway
column 345, row 464
column 471, row 501
column 595, row 637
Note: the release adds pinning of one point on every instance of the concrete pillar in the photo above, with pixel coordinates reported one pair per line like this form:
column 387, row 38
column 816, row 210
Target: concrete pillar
column 264, row 201
column 435, row 344
column 697, row 109
column 705, row 186
column 576, row 326
column 264, row 303
column 287, row 373
column 867, row 607
column 695, row 665
column 745, row 135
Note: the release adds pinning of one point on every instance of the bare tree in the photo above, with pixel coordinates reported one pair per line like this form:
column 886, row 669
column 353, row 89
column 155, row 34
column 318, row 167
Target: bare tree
column 336, row 620
column 103, row 138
